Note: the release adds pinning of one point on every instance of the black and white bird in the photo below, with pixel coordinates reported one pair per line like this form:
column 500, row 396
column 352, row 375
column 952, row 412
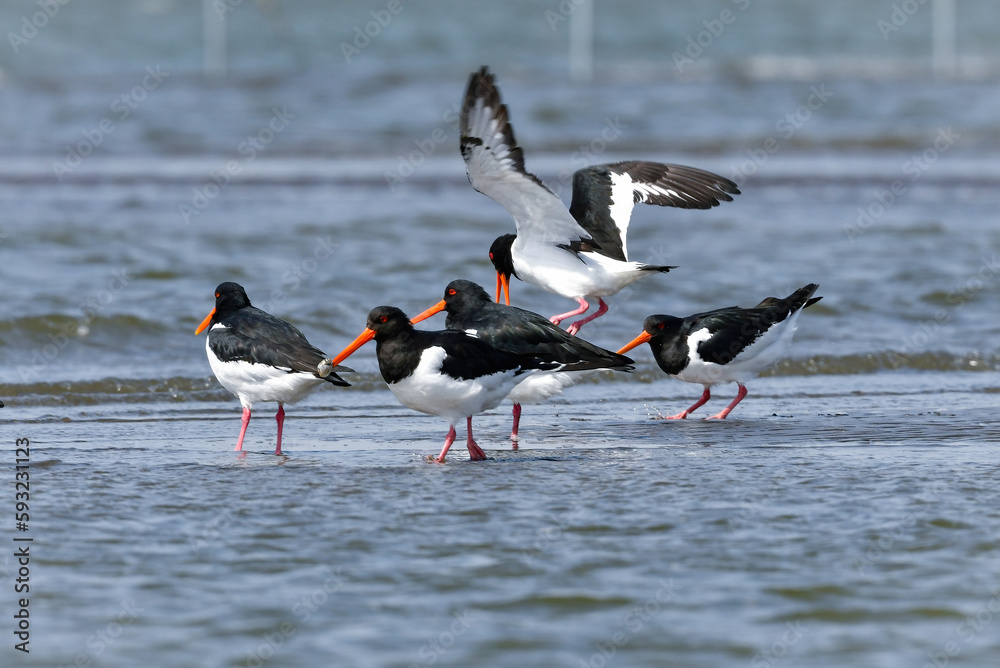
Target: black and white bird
column 578, row 253
column 259, row 357
column 518, row 331
column 447, row 373
column 725, row 345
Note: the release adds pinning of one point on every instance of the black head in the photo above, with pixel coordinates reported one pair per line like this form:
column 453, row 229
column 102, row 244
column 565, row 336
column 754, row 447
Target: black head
column 500, row 255
column 661, row 327
column 229, row 298
column 388, row 321
column 462, row 295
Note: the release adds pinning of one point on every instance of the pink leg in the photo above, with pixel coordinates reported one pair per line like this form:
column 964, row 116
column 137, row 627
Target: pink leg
column 448, row 440
column 280, row 417
column 739, row 397
column 517, row 420
column 705, row 396
column 476, row 453
column 243, row 429
column 602, row 309
column 556, row 319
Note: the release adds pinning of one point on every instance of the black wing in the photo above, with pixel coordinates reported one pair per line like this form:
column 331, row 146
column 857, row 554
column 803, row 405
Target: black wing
column 252, row 335
column 604, row 195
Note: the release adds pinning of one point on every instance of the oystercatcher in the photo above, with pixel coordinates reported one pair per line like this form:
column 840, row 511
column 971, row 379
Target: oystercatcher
column 259, row 357
column 727, row 344
column 518, row 331
column 448, row 373
column 580, row 253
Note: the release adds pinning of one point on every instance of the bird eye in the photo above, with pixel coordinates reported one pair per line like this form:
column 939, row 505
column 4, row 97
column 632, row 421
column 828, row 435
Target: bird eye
column 491, row 256
column 660, row 326
column 216, row 294
column 452, row 291
column 384, row 318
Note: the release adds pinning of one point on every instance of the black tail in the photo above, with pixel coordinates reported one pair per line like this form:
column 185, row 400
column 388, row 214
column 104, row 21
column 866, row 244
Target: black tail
column 656, row 267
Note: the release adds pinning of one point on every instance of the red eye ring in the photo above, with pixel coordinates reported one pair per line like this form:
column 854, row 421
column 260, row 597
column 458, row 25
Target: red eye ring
column 216, row 294
column 383, row 318
column 660, row 326
column 452, row 291
column 491, row 256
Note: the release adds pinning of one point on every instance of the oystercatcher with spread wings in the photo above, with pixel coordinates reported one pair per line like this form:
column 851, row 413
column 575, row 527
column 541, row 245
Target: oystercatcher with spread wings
column 259, row 357
column 516, row 330
column 578, row 253
column 724, row 345
column 447, row 373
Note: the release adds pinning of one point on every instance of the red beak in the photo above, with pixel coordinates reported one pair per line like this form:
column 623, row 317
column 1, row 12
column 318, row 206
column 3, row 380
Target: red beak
column 204, row 323
column 503, row 283
column 642, row 338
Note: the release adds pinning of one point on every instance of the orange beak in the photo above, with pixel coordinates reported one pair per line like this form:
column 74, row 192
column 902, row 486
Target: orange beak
column 437, row 308
column 204, row 323
column 503, row 283
column 362, row 339
column 642, row 338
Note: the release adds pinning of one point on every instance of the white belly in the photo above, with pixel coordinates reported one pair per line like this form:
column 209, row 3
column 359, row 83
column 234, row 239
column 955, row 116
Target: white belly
column 429, row 391
column 563, row 273
column 256, row 383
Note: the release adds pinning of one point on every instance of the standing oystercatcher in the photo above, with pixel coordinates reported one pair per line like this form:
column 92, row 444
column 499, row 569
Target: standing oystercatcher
column 518, row 331
column 724, row 345
column 259, row 357
column 581, row 252
column 448, row 373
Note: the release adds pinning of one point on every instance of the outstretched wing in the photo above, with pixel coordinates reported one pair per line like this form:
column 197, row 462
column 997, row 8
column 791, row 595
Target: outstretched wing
column 604, row 195
column 495, row 165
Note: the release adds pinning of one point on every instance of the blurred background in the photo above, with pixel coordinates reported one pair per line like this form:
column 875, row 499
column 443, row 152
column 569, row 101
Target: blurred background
column 153, row 149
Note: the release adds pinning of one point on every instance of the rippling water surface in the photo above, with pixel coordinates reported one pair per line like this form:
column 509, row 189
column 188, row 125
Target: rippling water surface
column 845, row 515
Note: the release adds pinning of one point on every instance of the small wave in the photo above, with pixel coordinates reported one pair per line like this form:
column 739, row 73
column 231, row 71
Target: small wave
column 205, row 388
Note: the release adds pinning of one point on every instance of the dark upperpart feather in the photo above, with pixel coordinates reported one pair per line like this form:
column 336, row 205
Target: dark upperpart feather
column 522, row 332
column 399, row 348
column 652, row 183
column 249, row 334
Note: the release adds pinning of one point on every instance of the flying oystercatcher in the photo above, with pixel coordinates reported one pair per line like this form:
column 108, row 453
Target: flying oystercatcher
column 724, row 345
column 259, row 357
column 580, row 253
column 518, row 331
column 448, row 373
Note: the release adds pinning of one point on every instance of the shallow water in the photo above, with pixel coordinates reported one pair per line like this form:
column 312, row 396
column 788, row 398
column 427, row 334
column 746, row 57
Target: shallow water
column 844, row 515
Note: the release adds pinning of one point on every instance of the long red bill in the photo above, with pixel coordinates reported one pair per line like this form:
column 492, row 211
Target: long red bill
column 437, row 308
column 205, row 323
column 363, row 338
column 503, row 284
column 642, row 338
